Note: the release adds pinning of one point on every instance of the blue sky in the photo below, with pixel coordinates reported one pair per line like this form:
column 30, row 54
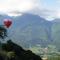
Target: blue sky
column 48, row 9
column 51, row 3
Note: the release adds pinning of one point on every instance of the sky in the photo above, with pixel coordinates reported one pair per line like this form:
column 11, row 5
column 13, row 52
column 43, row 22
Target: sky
column 48, row 9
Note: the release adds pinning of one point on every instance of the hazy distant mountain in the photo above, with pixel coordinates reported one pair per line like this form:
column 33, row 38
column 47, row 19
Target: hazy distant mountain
column 31, row 29
column 55, row 33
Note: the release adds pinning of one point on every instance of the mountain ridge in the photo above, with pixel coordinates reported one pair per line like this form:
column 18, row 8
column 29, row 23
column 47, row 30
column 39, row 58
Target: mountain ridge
column 32, row 29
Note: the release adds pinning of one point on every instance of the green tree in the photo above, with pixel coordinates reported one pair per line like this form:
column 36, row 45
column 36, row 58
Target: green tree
column 3, row 32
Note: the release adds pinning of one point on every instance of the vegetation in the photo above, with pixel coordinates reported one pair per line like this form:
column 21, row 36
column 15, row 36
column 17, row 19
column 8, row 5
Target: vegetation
column 12, row 51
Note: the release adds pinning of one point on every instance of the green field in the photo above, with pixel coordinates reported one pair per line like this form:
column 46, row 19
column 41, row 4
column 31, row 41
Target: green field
column 51, row 57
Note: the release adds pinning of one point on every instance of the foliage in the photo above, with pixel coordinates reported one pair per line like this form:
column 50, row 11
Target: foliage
column 3, row 32
column 10, row 54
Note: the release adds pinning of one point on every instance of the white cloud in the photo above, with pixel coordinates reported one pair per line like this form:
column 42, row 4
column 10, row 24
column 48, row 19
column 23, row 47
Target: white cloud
column 20, row 5
column 11, row 7
column 51, row 15
column 6, row 6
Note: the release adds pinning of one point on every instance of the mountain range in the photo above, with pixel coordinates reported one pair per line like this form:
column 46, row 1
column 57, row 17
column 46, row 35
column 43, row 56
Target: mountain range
column 31, row 29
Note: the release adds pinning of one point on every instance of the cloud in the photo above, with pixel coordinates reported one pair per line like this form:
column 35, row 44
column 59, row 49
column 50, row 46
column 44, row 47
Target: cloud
column 11, row 7
column 20, row 5
column 15, row 13
column 7, row 6
column 15, row 7
column 50, row 14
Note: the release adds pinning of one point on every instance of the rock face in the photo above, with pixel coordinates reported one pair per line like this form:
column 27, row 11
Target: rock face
column 18, row 53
